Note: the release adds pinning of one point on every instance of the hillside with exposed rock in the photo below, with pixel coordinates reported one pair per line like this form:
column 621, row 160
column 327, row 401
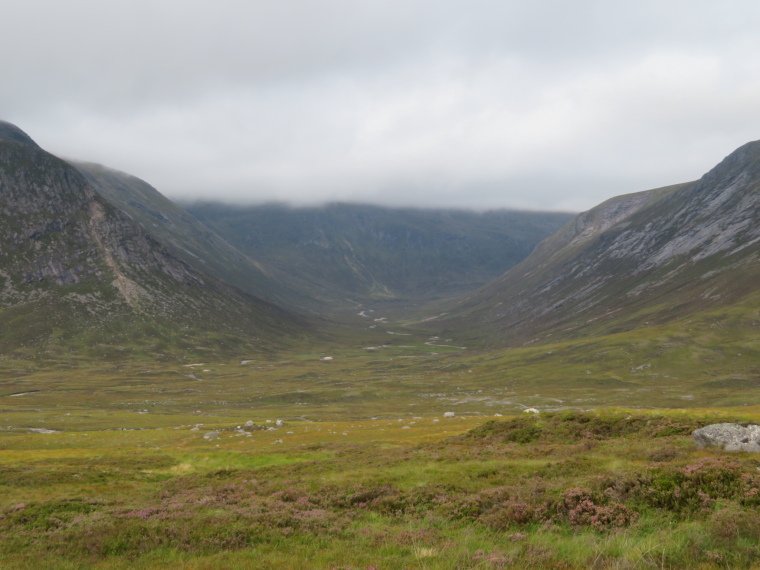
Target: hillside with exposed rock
column 74, row 267
column 635, row 260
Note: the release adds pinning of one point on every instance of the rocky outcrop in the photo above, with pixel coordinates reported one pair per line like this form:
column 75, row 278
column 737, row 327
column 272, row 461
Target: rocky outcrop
column 74, row 262
column 731, row 437
column 181, row 235
column 684, row 248
column 60, row 232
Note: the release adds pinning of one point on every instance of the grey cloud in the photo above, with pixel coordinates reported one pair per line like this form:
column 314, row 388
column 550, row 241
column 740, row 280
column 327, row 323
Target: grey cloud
column 540, row 104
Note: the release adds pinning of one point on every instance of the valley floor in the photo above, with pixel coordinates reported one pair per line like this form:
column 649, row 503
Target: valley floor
column 564, row 490
column 147, row 462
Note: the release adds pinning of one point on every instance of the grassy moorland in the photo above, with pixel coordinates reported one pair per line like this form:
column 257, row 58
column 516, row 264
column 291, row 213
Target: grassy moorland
column 104, row 463
column 567, row 490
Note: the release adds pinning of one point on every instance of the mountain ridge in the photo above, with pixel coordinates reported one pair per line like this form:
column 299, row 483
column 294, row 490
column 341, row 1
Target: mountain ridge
column 354, row 254
column 73, row 265
column 11, row 133
column 187, row 238
column 646, row 257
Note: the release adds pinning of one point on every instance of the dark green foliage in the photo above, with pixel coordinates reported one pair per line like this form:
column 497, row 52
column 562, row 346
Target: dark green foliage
column 571, row 426
column 697, row 485
column 48, row 515
column 517, row 430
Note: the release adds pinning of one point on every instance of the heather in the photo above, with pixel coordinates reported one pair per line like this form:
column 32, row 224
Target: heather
column 562, row 490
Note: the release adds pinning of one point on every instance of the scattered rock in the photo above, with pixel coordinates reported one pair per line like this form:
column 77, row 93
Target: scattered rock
column 279, row 423
column 211, row 435
column 531, row 411
column 731, row 437
column 449, row 415
column 17, row 394
column 276, row 441
column 326, row 358
column 43, row 430
column 248, row 424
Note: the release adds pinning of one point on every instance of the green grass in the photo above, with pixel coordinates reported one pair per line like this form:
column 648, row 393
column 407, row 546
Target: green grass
column 366, row 472
column 578, row 499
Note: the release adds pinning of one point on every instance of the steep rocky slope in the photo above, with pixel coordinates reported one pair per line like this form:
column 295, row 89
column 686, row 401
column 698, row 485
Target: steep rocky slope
column 74, row 266
column 349, row 254
column 188, row 239
column 638, row 259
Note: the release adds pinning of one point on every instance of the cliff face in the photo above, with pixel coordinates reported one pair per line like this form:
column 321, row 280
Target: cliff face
column 646, row 257
column 71, row 260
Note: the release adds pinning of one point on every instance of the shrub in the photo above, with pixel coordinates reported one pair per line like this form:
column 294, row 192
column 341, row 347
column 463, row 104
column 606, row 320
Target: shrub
column 732, row 523
column 570, row 426
column 585, row 508
column 515, row 430
column 46, row 515
column 511, row 512
column 697, row 485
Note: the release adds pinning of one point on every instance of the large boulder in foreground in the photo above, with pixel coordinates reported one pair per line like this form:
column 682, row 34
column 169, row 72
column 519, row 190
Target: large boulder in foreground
column 731, row 437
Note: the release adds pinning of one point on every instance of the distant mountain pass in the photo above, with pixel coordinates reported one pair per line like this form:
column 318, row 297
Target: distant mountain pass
column 358, row 253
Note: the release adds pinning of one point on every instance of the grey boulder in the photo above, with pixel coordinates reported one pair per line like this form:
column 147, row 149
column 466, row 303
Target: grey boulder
column 731, row 437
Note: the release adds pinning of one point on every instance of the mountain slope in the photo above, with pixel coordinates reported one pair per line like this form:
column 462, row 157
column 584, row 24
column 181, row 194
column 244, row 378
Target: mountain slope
column 73, row 266
column 349, row 254
column 185, row 237
column 639, row 259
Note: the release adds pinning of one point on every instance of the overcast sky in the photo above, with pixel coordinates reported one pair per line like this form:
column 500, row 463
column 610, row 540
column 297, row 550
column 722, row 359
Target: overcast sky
column 530, row 104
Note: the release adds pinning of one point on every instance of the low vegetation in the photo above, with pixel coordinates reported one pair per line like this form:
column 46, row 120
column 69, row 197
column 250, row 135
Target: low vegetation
column 144, row 459
column 566, row 489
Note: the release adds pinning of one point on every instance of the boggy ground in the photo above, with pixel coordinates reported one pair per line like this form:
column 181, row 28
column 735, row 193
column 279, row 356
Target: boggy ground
column 613, row 489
